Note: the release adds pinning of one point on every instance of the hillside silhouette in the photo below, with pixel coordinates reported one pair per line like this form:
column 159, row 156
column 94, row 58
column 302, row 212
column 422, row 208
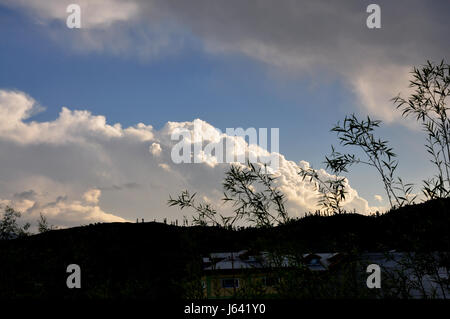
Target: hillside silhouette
column 151, row 260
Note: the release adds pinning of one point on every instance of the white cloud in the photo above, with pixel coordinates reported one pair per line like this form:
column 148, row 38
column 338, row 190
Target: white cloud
column 92, row 196
column 164, row 166
column 71, row 126
column 48, row 166
column 375, row 87
column 378, row 198
column 155, row 149
column 94, row 14
column 62, row 212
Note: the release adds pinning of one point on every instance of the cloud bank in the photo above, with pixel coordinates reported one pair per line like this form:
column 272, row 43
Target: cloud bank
column 79, row 169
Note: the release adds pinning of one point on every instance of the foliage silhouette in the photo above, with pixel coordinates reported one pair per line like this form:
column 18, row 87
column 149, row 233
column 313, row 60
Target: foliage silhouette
column 252, row 193
column 428, row 103
column 9, row 226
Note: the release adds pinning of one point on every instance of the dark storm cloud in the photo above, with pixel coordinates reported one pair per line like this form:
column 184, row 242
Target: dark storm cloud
column 30, row 195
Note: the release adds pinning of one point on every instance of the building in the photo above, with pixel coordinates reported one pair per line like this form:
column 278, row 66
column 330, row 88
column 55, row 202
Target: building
column 258, row 274
column 227, row 274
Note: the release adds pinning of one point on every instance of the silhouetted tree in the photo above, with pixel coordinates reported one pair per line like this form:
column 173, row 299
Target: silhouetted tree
column 43, row 225
column 9, row 227
column 428, row 103
column 252, row 193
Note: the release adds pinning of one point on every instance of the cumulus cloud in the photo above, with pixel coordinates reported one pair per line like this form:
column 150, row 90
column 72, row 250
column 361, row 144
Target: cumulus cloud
column 71, row 126
column 314, row 39
column 79, row 169
column 155, row 149
column 378, row 198
column 92, row 196
column 164, row 166
column 61, row 211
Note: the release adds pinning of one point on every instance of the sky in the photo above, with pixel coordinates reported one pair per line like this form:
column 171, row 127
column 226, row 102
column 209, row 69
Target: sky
column 86, row 114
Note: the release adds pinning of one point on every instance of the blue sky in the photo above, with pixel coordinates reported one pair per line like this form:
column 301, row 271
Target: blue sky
column 217, row 76
column 226, row 90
